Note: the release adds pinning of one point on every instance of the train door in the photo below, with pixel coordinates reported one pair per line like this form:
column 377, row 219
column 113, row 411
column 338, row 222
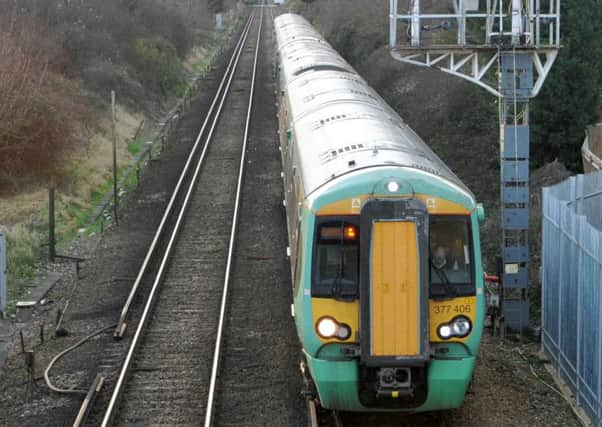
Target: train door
column 394, row 282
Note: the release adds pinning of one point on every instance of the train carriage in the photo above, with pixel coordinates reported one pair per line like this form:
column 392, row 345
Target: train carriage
column 384, row 241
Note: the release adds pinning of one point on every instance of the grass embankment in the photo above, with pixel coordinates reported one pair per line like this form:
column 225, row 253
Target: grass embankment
column 22, row 254
column 82, row 172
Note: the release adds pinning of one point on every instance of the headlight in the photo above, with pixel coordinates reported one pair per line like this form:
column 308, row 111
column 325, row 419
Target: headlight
column 445, row 331
column 459, row 327
column 327, row 327
column 392, row 187
column 344, row 332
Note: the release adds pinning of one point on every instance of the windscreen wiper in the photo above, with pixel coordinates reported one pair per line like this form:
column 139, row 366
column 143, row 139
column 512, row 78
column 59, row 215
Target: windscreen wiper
column 337, row 291
column 450, row 291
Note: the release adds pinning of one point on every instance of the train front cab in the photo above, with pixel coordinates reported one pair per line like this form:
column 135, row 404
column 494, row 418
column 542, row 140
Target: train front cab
column 396, row 291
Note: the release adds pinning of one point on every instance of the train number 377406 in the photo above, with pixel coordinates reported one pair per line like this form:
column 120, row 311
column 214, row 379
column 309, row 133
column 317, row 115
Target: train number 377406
column 452, row 308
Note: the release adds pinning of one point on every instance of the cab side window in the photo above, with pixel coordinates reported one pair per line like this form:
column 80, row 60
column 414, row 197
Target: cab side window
column 450, row 257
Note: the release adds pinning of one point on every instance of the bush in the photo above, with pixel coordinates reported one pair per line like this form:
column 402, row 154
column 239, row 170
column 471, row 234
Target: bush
column 47, row 46
column 156, row 64
column 92, row 32
column 37, row 115
column 165, row 23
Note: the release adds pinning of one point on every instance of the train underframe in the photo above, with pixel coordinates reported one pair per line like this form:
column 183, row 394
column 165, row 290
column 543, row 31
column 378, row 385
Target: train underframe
column 349, row 385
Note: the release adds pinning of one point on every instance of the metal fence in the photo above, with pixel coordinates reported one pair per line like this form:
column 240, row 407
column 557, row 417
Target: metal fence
column 572, row 286
column 592, row 148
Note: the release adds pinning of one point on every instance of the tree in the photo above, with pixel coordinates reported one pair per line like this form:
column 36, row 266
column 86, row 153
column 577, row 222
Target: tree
column 570, row 100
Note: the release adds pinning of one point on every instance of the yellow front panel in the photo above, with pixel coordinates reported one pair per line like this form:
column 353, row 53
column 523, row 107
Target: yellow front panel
column 395, row 289
column 353, row 206
column 445, row 311
column 342, row 311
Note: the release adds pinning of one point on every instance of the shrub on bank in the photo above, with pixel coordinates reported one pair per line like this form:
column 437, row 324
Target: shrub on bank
column 37, row 112
column 105, row 31
column 156, row 65
column 47, row 47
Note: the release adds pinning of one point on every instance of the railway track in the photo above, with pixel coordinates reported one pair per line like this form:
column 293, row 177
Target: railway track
column 318, row 417
column 166, row 376
column 109, row 359
column 172, row 372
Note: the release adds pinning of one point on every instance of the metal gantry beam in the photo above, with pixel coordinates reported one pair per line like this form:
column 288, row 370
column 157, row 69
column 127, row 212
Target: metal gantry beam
column 523, row 30
column 508, row 49
column 478, row 66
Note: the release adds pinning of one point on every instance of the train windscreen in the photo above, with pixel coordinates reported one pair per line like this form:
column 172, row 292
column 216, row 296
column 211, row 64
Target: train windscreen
column 451, row 259
column 336, row 259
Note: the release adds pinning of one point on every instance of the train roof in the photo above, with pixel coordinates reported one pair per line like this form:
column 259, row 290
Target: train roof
column 340, row 123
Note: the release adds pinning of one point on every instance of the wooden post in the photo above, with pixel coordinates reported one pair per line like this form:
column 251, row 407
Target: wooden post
column 51, row 224
column 3, row 276
column 138, row 131
column 115, row 192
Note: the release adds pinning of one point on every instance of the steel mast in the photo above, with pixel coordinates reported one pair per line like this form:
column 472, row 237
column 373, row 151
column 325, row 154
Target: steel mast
column 506, row 47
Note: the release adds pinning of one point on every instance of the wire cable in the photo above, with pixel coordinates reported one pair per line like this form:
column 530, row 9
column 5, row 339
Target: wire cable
column 582, row 421
column 63, row 353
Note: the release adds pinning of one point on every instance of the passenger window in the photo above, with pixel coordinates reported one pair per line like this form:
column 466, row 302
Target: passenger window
column 298, row 260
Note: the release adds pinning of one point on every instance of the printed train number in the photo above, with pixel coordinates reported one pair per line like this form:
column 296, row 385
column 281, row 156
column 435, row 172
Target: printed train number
column 448, row 309
column 462, row 309
column 442, row 309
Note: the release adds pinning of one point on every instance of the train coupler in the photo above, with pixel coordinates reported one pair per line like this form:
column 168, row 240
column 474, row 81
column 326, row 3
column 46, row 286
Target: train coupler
column 394, row 383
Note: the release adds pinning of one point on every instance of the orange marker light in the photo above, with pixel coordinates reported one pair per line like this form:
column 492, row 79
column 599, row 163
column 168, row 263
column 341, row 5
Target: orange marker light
column 350, row 232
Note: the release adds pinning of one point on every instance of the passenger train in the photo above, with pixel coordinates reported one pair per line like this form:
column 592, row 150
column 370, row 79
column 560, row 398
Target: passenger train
column 384, row 241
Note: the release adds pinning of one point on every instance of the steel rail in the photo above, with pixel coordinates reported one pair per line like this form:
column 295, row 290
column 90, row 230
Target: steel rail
column 316, row 420
column 312, row 413
column 110, row 412
column 121, row 324
column 222, row 314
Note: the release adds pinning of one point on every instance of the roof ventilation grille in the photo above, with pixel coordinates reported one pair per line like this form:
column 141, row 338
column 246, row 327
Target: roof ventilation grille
column 332, row 154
